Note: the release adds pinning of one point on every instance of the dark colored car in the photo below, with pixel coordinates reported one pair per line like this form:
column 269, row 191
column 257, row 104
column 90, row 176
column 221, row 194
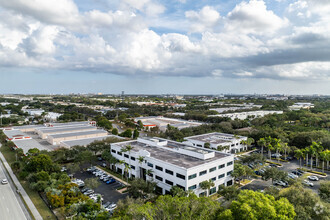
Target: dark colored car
column 111, row 181
column 296, row 172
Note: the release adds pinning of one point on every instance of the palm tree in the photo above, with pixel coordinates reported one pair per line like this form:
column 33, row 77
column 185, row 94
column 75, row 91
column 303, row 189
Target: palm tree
column 140, row 159
column 327, row 157
column 121, row 163
column 127, row 169
column 206, row 185
column 262, row 142
column 323, row 155
column 312, row 151
column 128, row 149
column 285, row 148
column 306, row 150
column 299, row 154
column 319, row 149
column 249, row 141
column 277, row 146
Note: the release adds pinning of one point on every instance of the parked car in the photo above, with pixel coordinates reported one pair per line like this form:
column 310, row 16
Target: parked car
column 272, row 165
column 277, row 155
column 280, row 183
column 296, row 172
column 105, row 205
column 308, row 183
column 292, row 176
column 313, row 178
column 4, row 181
column 88, row 192
column 112, row 206
column 63, row 169
column 110, row 181
column 100, row 158
column 104, row 165
column 85, row 190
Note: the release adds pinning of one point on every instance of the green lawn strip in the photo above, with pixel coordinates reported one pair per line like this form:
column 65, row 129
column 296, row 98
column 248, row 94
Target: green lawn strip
column 43, row 209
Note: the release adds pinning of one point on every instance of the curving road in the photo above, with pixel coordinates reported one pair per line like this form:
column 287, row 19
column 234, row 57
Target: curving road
column 9, row 206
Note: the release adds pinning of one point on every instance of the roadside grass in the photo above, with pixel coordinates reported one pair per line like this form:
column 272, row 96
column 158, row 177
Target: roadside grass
column 43, row 209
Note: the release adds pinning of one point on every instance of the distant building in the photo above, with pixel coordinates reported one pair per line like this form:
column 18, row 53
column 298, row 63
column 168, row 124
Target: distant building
column 247, row 115
column 52, row 116
column 162, row 122
column 226, row 143
column 170, row 163
column 301, row 105
column 34, row 112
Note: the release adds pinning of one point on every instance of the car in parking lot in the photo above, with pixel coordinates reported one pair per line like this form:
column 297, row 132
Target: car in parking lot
column 110, row 181
column 308, row 183
column 292, row 176
column 89, row 192
column 79, row 182
column 85, row 190
column 273, row 165
column 4, row 181
column 313, row 178
column 280, row 183
column 297, row 172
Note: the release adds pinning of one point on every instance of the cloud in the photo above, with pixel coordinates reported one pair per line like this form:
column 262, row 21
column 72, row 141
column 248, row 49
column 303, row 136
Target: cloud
column 253, row 17
column 149, row 37
column 204, row 19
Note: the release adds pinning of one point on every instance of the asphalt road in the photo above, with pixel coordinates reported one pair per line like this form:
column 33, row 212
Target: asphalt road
column 9, row 206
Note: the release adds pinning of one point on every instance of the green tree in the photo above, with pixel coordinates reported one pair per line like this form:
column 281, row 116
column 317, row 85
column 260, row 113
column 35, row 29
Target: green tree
column 229, row 192
column 252, row 205
column 92, row 183
column 274, row 174
column 206, row 185
column 73, row 167
column 324, row 190
column 140, row 188
column 136, row 134
column 127, row 133
column 16, row 166
column 262, row 142
column 207, row 145
column 39, row 163
column 114, row 131
column 177, row 191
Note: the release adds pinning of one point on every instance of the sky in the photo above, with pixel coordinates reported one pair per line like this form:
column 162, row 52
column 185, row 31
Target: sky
column 165, row 46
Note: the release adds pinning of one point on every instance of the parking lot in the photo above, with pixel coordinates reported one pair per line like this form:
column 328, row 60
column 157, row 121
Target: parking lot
column 108, row 191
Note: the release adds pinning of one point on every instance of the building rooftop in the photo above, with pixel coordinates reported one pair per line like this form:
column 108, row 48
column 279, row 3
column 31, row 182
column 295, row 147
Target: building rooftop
column 73, row 134
column 214, row 138
column 14, row 134
column 174, row 153
column 86, row 141
column 67, row 129
column 26, row 145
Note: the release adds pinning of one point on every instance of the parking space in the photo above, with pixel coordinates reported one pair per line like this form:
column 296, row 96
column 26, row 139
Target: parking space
column 108, row 191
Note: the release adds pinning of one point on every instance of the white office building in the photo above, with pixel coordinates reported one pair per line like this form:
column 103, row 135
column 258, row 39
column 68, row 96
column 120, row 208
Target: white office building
column 226, row 143
column 169, row 163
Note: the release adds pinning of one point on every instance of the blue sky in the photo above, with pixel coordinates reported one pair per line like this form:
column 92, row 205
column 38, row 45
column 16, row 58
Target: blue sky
column 174, row 46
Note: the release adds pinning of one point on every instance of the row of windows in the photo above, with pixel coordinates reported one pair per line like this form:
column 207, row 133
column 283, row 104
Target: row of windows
column 166, row 171
column 212, row 179
column 125, row 155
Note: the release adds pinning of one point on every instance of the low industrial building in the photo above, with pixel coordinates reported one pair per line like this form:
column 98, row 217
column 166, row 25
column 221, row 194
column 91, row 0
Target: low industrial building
column 86, row 141
column 34, row 112
column 55, row 139
column 14, row 134
column 247, row 115
column 226, row 143
column 26, row 145
column 301, row 105
column 170, row 163
column 45, row 132
column 162, row 122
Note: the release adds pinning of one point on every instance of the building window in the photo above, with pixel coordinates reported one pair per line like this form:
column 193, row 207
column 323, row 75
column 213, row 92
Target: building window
column 202, row 173
column 213, row 190
column 212, row 169
column 198, row 145
column 180, row 176
column 159, row 178
column 192, row 187
column 159, row 168
column 180, row 186
column 133, row 167
column 133, row 158
column 125, row 155
column 151, row 175
column 119, row 153
column 229, row 163
column 169, row 182
column 192, row 176
column 221, row 166
column 169, row 171
column 213, row 179
column 221, row 176
column 113, row 151
column 229, row 173
column 150, row 165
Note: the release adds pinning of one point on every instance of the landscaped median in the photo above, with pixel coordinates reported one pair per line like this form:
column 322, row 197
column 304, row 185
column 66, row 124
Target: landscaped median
column 312, row 171
column 271, row 162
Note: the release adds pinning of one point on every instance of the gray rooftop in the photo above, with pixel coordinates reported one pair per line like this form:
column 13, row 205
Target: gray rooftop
column 86, row 141
column 74, row 134
column 29, row 144
column 171, row 157
column 14, row 133
column 67, row 129
column 214, row 138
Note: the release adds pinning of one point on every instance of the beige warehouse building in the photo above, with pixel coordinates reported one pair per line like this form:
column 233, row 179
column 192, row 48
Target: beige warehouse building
column 44, row 133
column 55, row 139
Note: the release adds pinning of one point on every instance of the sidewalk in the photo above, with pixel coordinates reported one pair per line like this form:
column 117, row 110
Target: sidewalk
column 19, row 187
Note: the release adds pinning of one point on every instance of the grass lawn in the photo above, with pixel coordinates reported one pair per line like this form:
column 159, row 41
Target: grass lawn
column 43, row 209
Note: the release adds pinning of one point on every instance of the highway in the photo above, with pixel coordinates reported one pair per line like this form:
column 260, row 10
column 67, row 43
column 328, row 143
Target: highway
column 9, row 206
